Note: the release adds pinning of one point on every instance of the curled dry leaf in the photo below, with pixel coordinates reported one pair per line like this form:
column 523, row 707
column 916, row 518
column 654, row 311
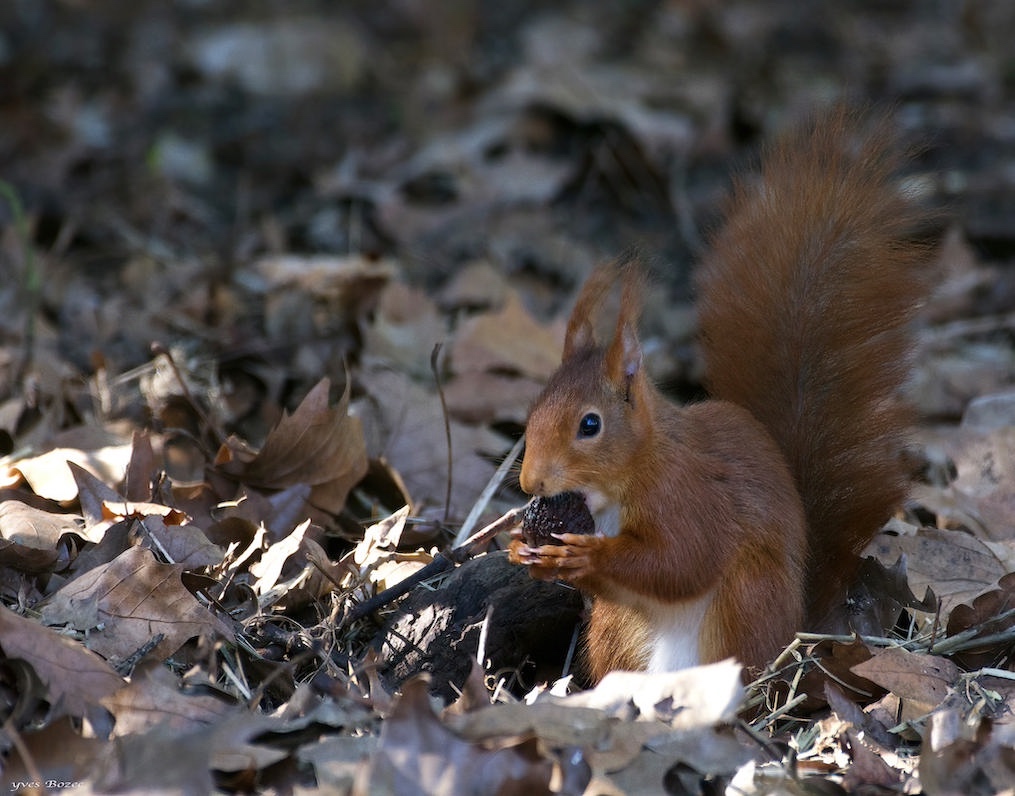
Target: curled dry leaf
column 269, row 568
column 317, row 444
column 698, row 697
column 29, row 536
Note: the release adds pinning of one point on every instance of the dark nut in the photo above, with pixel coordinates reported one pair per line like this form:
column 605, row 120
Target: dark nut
column 562, row 513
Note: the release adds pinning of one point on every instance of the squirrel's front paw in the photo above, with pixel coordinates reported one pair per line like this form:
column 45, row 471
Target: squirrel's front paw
column 570, row 560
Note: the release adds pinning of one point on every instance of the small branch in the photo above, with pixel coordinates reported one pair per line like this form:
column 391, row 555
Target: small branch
column 441, row 563
column 434, row 362
column 158, row 349
column 492, row 486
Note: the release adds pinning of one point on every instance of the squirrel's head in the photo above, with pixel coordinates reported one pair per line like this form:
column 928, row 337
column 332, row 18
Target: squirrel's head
column 586, row 428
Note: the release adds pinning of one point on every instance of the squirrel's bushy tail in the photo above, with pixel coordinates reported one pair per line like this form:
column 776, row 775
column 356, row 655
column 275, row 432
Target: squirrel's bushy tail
column 806, row 302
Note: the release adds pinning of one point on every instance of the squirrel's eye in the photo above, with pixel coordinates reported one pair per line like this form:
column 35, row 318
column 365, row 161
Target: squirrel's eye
column 590, row 425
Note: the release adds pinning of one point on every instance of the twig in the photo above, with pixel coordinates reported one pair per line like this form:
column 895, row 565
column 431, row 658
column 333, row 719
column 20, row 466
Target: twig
column 442, row 563
column 483, row 632
column 158, row 349
column 23, row 752
column 779, row 712
column 492, row 486
column 434, row 358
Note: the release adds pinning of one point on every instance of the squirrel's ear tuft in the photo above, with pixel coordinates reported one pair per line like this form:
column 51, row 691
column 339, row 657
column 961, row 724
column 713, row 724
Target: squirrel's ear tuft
column 624, row 357
column 581, row 327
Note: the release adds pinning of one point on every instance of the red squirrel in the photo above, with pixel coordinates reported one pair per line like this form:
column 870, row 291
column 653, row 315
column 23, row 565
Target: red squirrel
column 725, row 526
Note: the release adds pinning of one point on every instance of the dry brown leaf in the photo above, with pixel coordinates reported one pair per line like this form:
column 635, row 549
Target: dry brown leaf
column 508, row 340
column 185, row 545
column 480, row 397
column 142, row 469
column 405, row 426
column 25, row 559
column 476, row 284
column 923, row 679
column 92, row 496
column 317, row 444
column 416, row 753
column 981, row 613
column 279, row 512
column 967, row 757
column 404, row 330
column 76, row 677
column 955, row 565
column 59, row 753
column 837, row 662
column 135, row 598
column 154, row 697
column 338, row 761
column 169, row 760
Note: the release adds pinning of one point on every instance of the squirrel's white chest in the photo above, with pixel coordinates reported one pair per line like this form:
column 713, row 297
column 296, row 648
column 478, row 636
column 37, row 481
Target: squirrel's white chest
column 676, row 633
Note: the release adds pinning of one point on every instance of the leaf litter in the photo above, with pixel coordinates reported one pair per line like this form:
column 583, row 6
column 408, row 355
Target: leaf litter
column 188, row 528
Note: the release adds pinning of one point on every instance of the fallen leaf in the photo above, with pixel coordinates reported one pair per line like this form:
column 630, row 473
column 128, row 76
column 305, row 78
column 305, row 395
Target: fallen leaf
column 153, row 698
column 404, row 330
column 509, row 339
column 101, row 453
column 33, row 527
column 317, row 444
column 956, row 565
column 59, row 752
column 137, row 598
column 924, row 679
column 982, row 614
column 76, row 678
column 269, row 568
column 416, row 753
column 405, row 425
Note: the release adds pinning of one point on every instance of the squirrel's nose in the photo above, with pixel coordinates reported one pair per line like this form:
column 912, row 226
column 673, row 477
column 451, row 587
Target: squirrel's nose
column 530, row 481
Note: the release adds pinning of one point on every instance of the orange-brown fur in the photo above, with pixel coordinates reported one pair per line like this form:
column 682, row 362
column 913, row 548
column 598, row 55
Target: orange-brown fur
column 759, row 498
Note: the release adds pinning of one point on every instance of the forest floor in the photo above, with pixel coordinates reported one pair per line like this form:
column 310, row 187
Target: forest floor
column 279, row 286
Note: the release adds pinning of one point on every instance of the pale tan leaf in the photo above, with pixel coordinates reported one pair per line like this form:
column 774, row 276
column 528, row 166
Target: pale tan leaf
column 33, row 527
column 269, row 568
column 509, row 339
column 101, row 453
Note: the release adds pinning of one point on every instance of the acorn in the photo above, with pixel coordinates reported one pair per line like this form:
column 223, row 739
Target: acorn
column 565, row 512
